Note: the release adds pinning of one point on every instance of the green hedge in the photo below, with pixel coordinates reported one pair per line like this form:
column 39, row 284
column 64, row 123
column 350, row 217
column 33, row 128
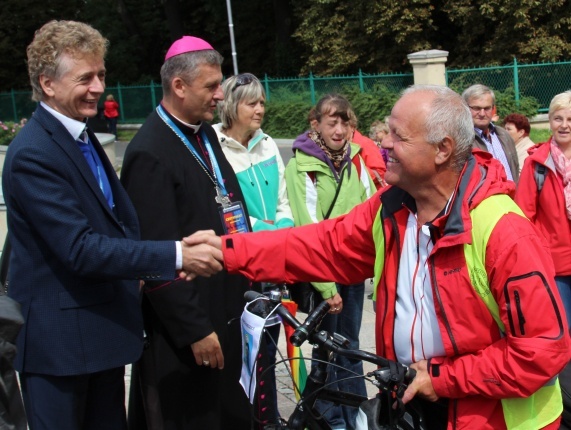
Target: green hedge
column 288, row 118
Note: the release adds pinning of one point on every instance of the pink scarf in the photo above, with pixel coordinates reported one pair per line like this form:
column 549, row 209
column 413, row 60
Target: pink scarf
column 563, row 167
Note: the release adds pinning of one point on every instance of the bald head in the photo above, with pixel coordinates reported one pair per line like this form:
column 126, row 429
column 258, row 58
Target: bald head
column 430, row 139
column 447, row 115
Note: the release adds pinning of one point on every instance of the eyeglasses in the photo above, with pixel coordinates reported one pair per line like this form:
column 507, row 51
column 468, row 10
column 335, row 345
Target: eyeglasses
column 478, row 109
column 243, row 79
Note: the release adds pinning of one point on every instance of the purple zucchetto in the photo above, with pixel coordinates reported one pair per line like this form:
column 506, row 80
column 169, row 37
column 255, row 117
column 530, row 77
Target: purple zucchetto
column 187, row 44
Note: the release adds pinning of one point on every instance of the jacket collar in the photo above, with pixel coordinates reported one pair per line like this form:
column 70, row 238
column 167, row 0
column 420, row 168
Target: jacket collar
column 225, row 140
column 491, row 129
column 480, row 178
column 541, row 153
column 74, row 126
column 62, row 137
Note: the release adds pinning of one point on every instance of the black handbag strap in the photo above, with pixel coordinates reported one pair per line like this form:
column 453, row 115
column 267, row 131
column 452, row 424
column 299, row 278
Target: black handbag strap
column 334, row 198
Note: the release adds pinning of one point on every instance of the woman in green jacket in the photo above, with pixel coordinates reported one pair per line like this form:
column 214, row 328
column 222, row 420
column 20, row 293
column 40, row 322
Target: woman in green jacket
column 327, row 178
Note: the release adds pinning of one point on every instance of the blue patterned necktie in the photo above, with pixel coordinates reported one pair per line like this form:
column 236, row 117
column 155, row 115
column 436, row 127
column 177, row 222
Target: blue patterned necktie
column 95, row 166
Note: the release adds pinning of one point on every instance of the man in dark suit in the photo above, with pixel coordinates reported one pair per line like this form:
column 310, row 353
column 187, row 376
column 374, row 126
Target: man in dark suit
column 77, row 260
column 489, row 137
column 180, row 182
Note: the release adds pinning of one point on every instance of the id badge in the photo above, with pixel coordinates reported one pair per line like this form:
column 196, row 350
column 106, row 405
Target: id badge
column 234, row 218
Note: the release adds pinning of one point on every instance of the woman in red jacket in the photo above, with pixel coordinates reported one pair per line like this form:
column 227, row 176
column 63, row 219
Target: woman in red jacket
column 544, row 192
column 111, row 113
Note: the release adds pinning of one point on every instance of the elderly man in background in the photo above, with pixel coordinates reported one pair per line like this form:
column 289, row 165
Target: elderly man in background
column 76, row 260
column 180, row 182
column 489, row 137
column 464, row 282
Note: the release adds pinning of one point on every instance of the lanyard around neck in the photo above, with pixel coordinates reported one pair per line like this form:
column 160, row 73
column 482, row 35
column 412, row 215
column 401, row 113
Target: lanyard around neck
column 214, row 174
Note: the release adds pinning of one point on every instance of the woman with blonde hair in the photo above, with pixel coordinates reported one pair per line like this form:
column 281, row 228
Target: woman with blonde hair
column 544, row 192
column 256, row 160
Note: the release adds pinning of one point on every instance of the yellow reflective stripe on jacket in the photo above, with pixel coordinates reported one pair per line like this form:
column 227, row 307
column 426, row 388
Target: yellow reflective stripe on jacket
column 545, row 405
column 379, row 241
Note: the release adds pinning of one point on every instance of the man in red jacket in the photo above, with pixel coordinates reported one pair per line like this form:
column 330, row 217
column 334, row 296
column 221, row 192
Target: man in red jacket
column 464, row 282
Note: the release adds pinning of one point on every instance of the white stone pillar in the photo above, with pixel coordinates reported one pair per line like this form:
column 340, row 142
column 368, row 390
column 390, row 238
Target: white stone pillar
column 429, row 67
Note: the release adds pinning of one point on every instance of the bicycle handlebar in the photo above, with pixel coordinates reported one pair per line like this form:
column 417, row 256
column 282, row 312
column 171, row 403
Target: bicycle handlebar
column 301, row 331
column 310, row 324
column 281, row 311
column 305, row 331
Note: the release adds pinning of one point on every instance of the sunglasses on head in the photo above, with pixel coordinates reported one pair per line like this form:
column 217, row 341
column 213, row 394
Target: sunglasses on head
column 243, row 79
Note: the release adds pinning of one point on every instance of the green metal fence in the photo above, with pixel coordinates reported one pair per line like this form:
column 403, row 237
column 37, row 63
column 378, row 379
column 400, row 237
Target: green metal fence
column 313, row 87
column 137, row 101
column 541, row 80
column 16, row 105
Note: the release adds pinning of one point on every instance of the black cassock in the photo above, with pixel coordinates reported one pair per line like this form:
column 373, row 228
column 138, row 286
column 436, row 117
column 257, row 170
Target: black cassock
column 174, row 198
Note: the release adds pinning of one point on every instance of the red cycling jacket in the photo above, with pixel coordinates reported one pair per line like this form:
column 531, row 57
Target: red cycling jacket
column 546, row 208
column 371, row 155
column 480, row 366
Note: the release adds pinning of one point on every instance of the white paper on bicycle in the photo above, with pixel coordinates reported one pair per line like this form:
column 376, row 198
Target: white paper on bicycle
column 252, row 329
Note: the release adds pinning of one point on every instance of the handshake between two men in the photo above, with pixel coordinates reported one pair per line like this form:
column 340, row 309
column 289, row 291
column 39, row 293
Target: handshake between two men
column 201, row 255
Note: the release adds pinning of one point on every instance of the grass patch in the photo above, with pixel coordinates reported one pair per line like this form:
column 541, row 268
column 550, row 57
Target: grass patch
column 125, row 135
column 538, row 135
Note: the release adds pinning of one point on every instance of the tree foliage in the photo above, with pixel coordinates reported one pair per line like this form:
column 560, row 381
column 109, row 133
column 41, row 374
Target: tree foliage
column 341, row 37
column 17, row 27
column 374, row 36
column 140, row 32
column 290, row 37
column 495, row 31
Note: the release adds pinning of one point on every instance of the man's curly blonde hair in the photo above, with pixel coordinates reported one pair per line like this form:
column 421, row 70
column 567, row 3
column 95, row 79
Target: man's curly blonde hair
column 58, row 38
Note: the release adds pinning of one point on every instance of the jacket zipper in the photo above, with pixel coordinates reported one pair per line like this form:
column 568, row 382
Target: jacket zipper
column 257, row 184
column 439, row 299
column 395, row 229
column 450, row 335
column 519, row 311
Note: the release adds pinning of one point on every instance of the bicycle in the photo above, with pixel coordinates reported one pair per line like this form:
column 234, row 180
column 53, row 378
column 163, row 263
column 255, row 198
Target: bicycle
column 384, row 412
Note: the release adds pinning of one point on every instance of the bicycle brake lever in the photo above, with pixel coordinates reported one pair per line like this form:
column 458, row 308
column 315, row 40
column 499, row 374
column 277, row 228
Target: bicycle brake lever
column 401, row 388
column 400, row 409
column 340, row 341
